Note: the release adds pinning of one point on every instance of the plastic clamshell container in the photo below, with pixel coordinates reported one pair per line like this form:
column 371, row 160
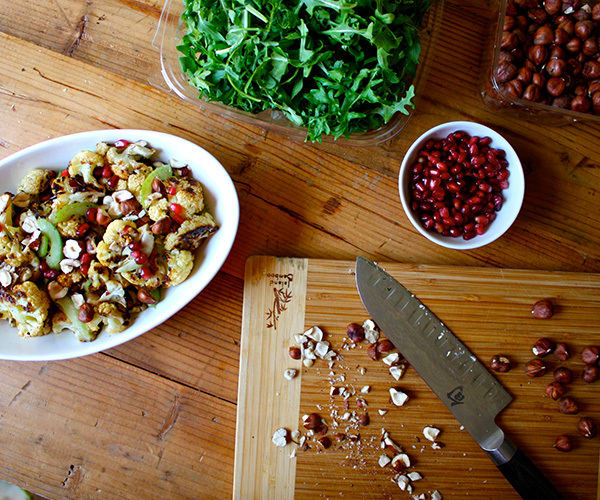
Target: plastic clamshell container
column 171, row 30
column 495, row 97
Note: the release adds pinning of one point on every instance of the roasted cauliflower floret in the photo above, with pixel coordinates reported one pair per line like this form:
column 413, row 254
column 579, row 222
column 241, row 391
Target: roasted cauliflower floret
column 180, row 264
column 112, row 317
column 114, row 230
column 84, row 163
column 36, row 181
column 188, row 194
column 126, row 162
column 102, row 148
column 12, row 253
column 155, row 281
column 136, row 179
column 68, row 228
column 26, row 307
column 158, row 209
column 98, row 275
column 191, row 232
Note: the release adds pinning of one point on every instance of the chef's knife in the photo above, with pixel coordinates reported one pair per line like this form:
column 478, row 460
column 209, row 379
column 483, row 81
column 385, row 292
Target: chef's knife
column 463, row 384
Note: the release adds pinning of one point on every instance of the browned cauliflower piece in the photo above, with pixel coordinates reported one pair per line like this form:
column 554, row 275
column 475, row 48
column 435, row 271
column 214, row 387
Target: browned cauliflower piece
column 188, row 194
column 36, row 181
column 191, row 233
column 180, row 264
column 26, row 307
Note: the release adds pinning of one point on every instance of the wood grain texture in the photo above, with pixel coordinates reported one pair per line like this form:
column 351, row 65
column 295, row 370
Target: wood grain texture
column 275, row 297
column 490, row 311
column 97, row 428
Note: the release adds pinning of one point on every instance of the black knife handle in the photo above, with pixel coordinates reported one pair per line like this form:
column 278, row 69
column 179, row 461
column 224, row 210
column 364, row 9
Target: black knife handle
column 524, row 477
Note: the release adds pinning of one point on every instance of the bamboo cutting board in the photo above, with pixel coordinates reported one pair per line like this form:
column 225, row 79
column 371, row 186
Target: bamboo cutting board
column 488, row 309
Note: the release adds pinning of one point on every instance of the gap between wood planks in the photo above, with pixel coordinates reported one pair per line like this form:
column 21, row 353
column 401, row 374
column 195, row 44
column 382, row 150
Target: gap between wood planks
column 170, row 379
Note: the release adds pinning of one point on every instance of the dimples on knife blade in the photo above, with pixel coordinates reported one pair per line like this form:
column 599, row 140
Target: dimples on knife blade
column 464, row 385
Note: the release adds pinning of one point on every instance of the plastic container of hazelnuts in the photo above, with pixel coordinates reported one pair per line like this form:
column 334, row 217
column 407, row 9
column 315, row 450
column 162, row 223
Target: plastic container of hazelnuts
column 543, row 60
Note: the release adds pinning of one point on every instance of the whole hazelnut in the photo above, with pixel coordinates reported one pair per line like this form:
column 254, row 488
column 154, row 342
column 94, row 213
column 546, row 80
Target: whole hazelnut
column 573, row 45
column 555, row 86
column 557, row 53
column 586, row 427
column 537, row 54
column 384, row 346
column 589, row 355
column 568, row 406
column 581, row 104
column 590, row 47
column 555, row 390
column 561, row 352
column 552, row 6
column 372, row 352
column 509, row 23
column 537, row 15
column 505, row 57
column 355, row 332
column 364, row 419
column 563, row 375
column 563, row 443
column 505, row 71
column 596, row 102
column 580, row 90
column 86, row 313
column 591, row 70
column 542, row 309
column 584, row 29
column 514, row 88
column 560, row 36
column 524, row 75
column 500, row 363
column 581, row 14
column 532, row 93
column 594, row 86
column 575, row 66
column 538, row 79
column 144, row 297
column 543, row 35
column 542, row 347
column 522, row 21
column 596, row 12
column 509, row 40
column 590, row 373
column 295, row 353
column 556, row 67
column 563, row 101
column 313, row 422
column 567, row 26
column 535, row 368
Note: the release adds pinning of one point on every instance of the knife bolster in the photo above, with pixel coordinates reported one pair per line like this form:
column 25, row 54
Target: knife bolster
column 503, row 453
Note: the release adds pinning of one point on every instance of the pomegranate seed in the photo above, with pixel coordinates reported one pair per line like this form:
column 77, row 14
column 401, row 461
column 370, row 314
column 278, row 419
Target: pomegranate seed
column 50, row 274
column 485, row 141
column 65, row 173
column 85, row 268
column 176, row 208
column 177, row 218
column 139, row 257
column 185, row 171
column 107, row 172
column 35, row 245
column 113, row 182
column 91, row 214
column 44, row 266
column 73, row 183
column 172, row 189
column 97, row 172
column 82, row 230
column 146, row 273
column 135, row 245
column 122, row 143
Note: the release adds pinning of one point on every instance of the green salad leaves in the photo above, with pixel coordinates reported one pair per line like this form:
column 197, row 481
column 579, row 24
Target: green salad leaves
column 333, row 66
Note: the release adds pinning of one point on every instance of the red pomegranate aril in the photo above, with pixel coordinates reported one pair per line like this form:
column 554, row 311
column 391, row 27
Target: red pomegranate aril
column 86, row 258
column 91, row 214
column 65, row 173
column 50, row 274
column 146, row 272
column 135, row 245
column 97, row 172
column 178, row 218
column 107, row 172
column 44, row 266
column 122, row 143
column 173, row 189
column 185, row 171
column 473, row 150
column 113, row 182
column 139, row 257
column 82, row 230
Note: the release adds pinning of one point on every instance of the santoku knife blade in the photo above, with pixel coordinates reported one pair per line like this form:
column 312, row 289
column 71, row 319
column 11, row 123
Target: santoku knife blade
column 463, row 384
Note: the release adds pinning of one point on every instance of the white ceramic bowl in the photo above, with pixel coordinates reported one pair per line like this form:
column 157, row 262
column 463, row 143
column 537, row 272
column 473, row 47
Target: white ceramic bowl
column 513, row 195
column 222, row 202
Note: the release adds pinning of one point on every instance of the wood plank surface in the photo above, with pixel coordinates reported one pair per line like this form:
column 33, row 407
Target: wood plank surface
column 70, row 66
column 490, row 311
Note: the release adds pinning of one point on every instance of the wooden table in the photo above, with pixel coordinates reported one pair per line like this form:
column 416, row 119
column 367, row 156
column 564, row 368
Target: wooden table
column 155, row 418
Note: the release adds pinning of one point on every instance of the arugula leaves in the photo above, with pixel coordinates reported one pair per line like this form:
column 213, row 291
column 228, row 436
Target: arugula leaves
column 333, row 66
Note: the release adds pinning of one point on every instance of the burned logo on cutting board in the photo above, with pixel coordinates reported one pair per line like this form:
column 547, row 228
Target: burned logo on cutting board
column 282, row 296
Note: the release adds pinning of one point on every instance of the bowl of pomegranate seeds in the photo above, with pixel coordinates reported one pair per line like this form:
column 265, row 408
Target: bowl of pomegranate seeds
column 461, row 185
